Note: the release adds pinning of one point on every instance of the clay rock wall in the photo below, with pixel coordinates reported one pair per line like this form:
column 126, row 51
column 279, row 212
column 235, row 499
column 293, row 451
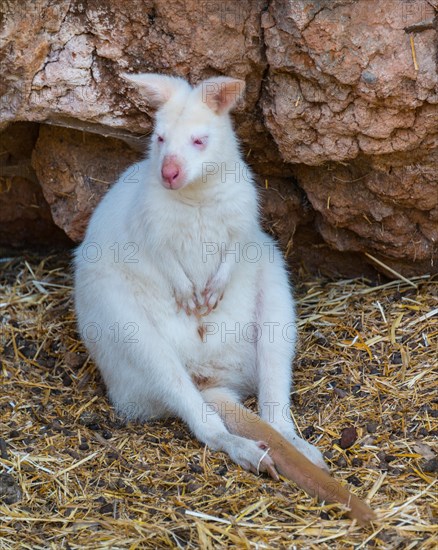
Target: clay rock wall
column 339, row 120
column 25, row 216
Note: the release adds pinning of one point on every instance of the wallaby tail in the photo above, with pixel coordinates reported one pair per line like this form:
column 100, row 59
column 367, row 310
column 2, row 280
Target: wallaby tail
column 289, row 461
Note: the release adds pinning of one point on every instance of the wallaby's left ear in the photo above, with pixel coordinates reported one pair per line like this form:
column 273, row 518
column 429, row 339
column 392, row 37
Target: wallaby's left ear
column 221, row 93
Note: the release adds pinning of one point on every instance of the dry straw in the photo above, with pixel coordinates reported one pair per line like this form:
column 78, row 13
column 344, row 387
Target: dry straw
column 80, row 478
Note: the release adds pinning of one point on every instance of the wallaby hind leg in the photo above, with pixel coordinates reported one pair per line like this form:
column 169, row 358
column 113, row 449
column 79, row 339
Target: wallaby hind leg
column 251, row 453
column 275, row 353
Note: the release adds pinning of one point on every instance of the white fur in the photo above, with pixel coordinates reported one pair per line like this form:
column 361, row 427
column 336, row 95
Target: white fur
column 178, row 239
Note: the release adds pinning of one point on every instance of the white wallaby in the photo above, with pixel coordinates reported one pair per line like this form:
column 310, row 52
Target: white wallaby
column 181, row 298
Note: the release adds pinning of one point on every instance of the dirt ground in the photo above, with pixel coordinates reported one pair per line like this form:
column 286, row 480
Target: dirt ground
column 74, row 476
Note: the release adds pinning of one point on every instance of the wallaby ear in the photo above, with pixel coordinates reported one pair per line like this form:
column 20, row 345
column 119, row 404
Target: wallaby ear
column 157, row 89
column 221, row 93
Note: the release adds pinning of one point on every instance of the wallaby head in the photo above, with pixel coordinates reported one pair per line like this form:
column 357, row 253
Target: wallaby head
column 192, row 125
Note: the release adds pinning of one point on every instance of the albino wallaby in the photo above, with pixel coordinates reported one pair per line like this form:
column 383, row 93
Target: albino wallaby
column 182, row 300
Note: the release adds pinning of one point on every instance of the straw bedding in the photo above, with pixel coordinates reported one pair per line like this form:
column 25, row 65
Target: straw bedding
column 73, row 475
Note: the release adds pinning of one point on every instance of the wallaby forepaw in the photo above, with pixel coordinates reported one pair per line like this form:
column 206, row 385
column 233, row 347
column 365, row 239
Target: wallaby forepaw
column 185, row 300
column 213, row 293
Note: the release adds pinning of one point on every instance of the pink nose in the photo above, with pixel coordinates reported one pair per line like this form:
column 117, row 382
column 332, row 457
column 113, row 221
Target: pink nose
column 170, row 172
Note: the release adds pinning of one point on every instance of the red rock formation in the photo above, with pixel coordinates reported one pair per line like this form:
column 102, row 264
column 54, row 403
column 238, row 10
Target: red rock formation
column 340, row 116
column 25, row 217
column 76, row 169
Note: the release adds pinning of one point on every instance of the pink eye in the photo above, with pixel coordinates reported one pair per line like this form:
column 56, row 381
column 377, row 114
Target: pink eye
column 160, row 139
column 200, row 143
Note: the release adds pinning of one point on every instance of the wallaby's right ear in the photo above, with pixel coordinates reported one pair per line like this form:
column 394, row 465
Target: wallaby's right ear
column 156, row 88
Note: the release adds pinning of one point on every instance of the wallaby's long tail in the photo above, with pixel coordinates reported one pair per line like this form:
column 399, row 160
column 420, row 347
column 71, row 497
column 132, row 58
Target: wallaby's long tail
column 290, row 462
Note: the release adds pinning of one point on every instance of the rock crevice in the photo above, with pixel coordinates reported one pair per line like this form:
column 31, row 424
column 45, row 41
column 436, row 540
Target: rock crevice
column 341, row 104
